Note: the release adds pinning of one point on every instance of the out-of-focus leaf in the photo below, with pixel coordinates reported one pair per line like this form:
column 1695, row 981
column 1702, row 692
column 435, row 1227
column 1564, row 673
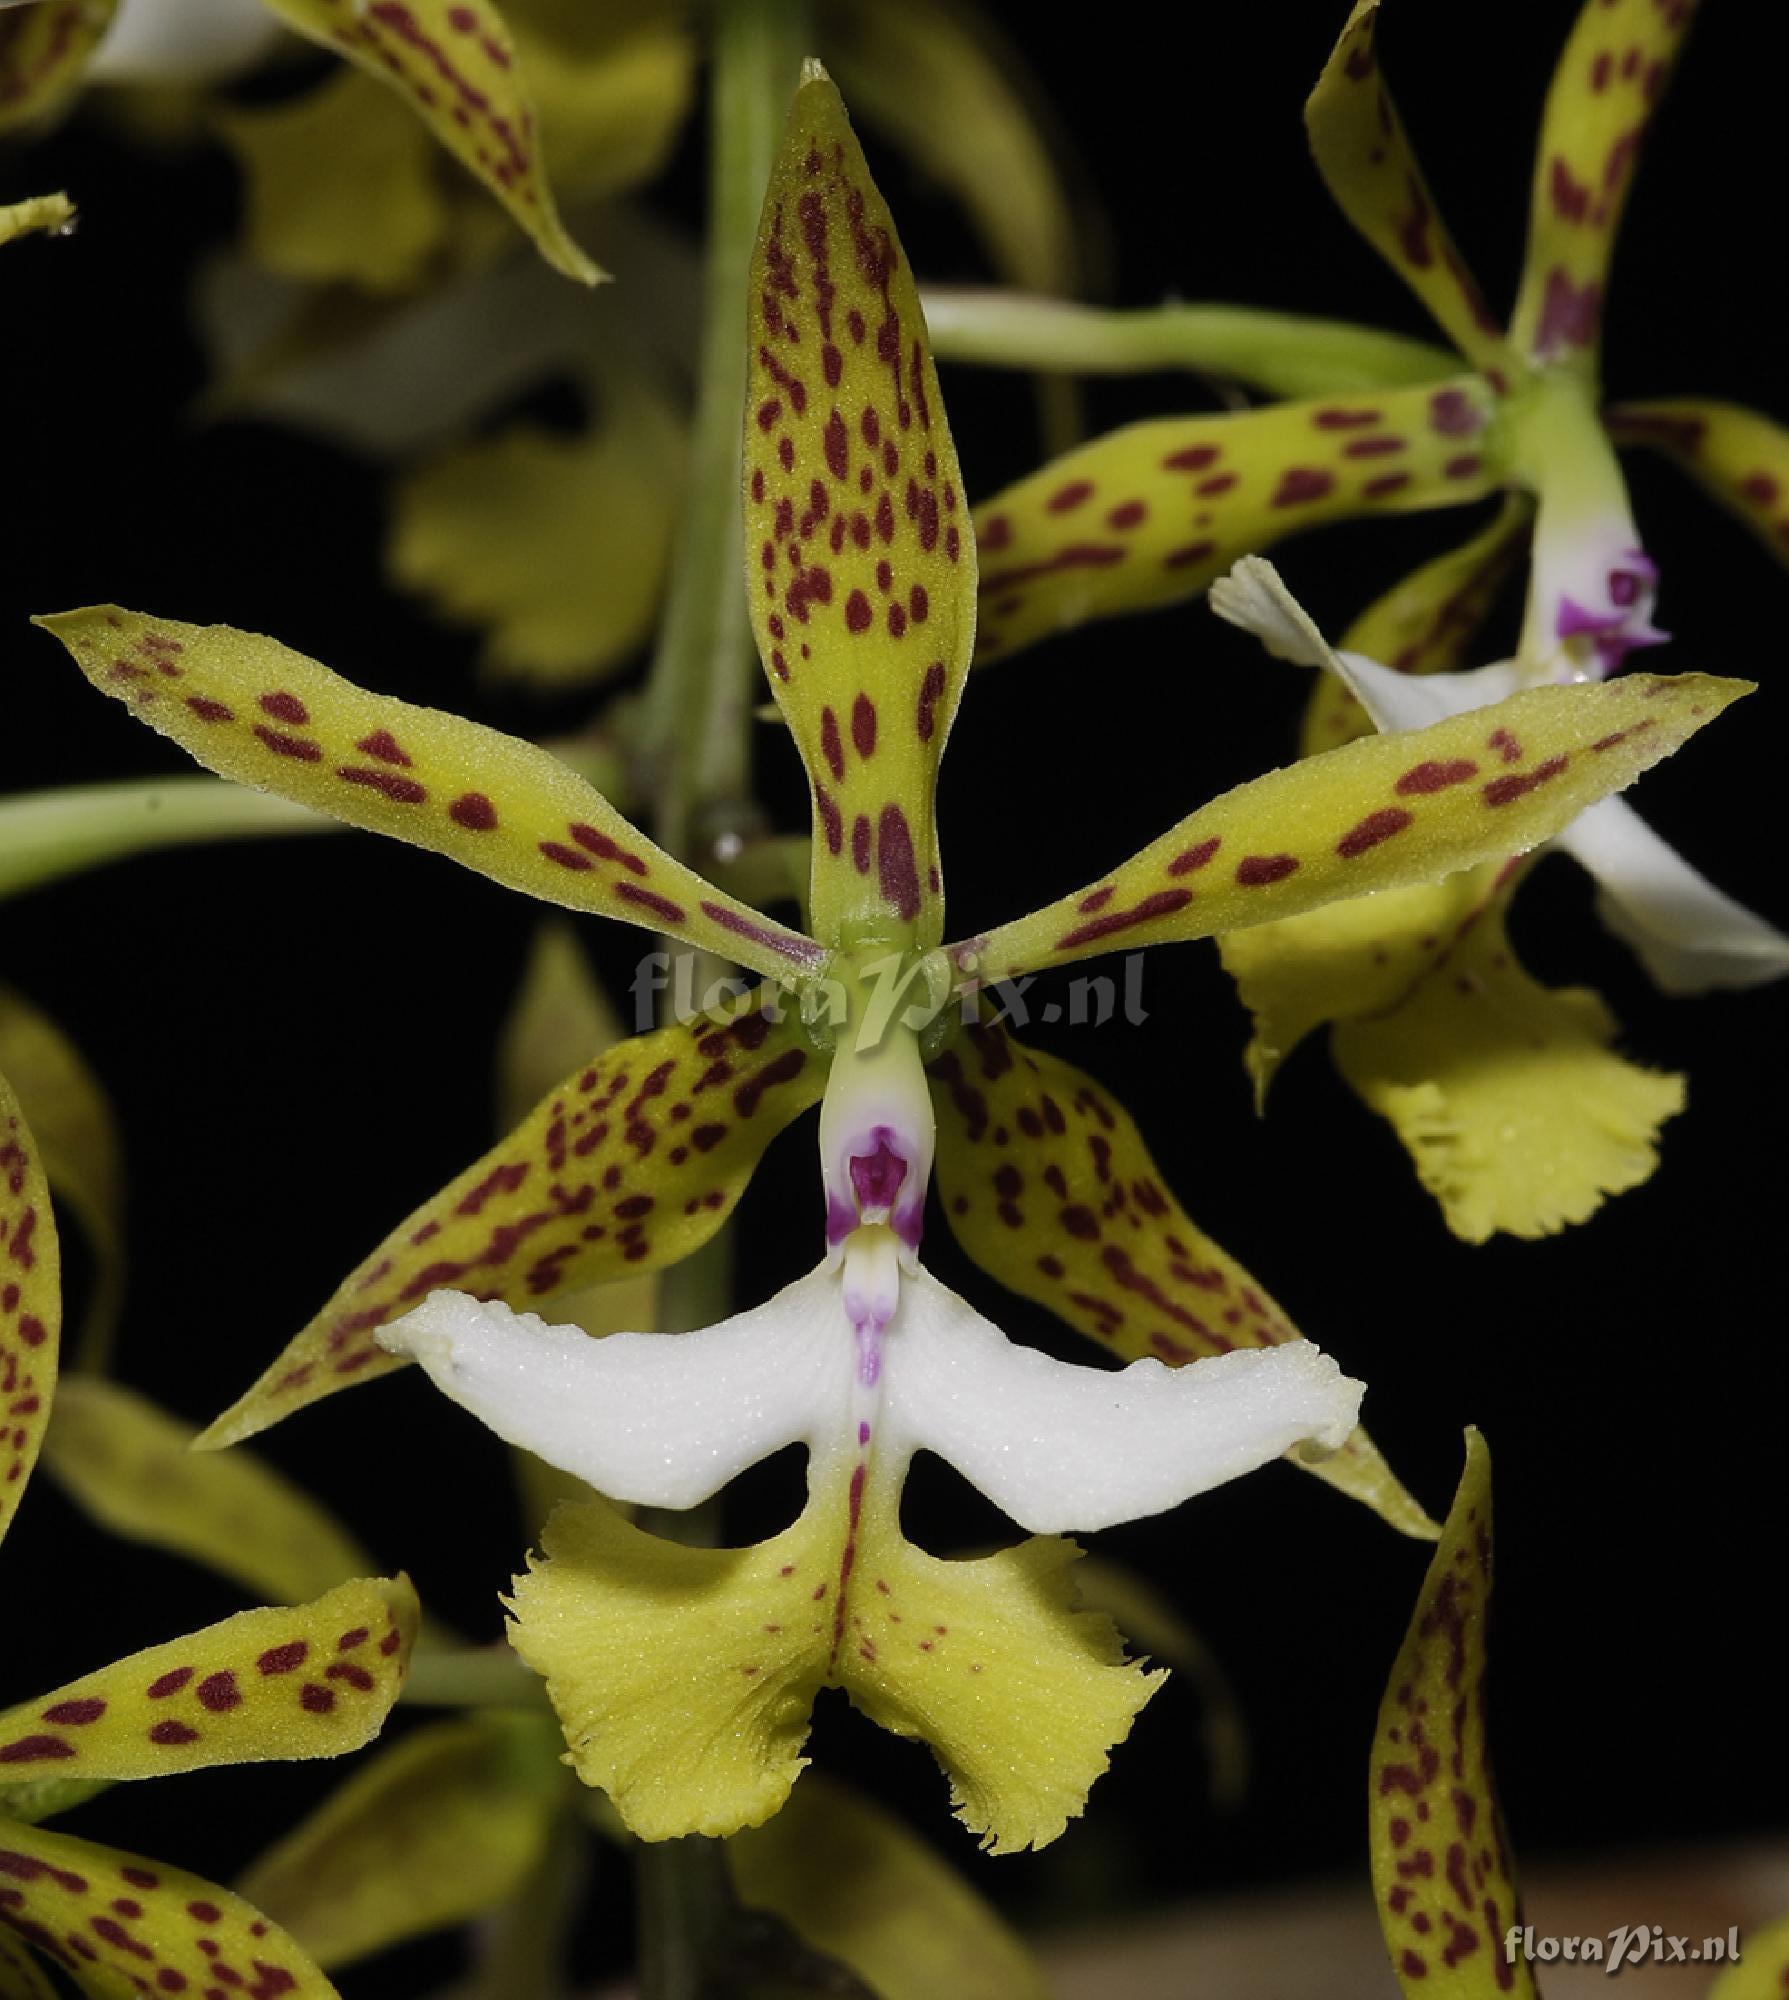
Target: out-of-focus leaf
column 43, row 55
column 132, row 1468
column 854, row 1882
column 439, row 1828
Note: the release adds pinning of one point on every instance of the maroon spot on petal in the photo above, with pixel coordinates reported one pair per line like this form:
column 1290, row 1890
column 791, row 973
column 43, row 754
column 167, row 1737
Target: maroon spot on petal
column 284, row 707
column 1190, row 553
column 282, row 1659
column 661, row 907
column 1192, row 458
column 210, row 711
column 1344, row 420
column 171, row 1734
column 1433, row 776
column 1255, row 871
column 84, row 1708
column 895, row 868
column 1452, row 413
column 473, row 811
column 401, row 791
column 1517, row 784
column 169, row 1683
column 385, row 746
column 857, row 612
column 1162, row 903
column 315, row 1698
column 1466, row 466
column 931, row 688
column 282, row 745
column 1383, row 483
column 35, row 1750
column 205, row 1913
column 863, row 726
column 566, row 857
column 219, row 1692
column 1067, row 498
column 1369, row 832
column 1191, row 858
column 1301, row 484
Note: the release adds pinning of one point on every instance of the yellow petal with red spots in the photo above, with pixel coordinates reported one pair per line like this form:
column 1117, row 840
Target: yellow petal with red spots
column 1603, row 94
column 1734, row 454
column 30, row 1303
column 254, row 710
column 1020, row 1695
column 1513, row 1107
column 312, row 1680
column 453, row 62
column 120, row 1926
column 1050, row 1188
column 860, row 562
column 132, row 1467
column 77, row 1138
column 433, row 1831
column 1384, row 812
column 1364, row 156
column 43, row 54
column 1425, row 624
column 1763, row 1973
column 631, row 1164
column 54, row 212
column 858, row 1885
column 1441, row 1861
column 1150, row 514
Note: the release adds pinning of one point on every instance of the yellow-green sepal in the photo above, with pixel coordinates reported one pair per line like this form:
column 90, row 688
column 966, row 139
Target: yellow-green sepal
column 53, row 213
column 1385, row 812
column 131, row 1466
column 43, row 56
column 856, row 1884
column 312, row 1680
column 456, row 66
column 1149, row 515
column 633, row 1162
column 253, row 710
column 77, row 1140
column 30, row 1303
column 1072, row 1212
column 1366, row 161
column 1442, row 1875
column 1737, row 456
column 860, row 563
column 138, row 1919
column 1426, row 623
column 1605, row 89
column 442, row 1827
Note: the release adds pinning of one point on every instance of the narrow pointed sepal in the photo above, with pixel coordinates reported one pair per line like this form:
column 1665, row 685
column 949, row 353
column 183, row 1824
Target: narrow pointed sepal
column 30, row 1303
column 1149, row 515
column 253, row 710
column 1442, row 1873
column 631, row 1164
column 1366, row 161
column 1608, row 83
column 1427, row 623
column 1517, row 1114
column 455, row 65
column 44, row 52
column 1081, row 1221
column 314, row 1680
column 1738, row 456
column 54, row 213
column 440, row 1828
column 860, row 561
column 118, row 1924
column 131, row 1467
column 1384, row 812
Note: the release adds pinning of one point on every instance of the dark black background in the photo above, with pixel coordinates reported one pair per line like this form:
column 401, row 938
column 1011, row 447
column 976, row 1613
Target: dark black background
column 298, row 1037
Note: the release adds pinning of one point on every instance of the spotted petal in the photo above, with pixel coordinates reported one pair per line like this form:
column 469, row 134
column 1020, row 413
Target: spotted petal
column 30, row 1303
column 77, row 1141
column 54, row 212
column 44, row 50
column 1734, row 454
column 857, row 1884
column 1020, row 1695
column 631, row 1164
column 312, row 1681
column 1441, row 1858
column 119, row 1925
column 252, row 709
column 1074, row 1214
column 132, row 1467
column 1149, row 515
column 1602, row 98
column 1425, row 624
column 1364, row 156
column 437, row 1829
column 455, row 65
column 861, row 566
column 1385, row 812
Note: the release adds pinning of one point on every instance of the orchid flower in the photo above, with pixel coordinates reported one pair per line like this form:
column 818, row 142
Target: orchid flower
column 684, row 1675
column 309, row 1680
column 1516, row 1112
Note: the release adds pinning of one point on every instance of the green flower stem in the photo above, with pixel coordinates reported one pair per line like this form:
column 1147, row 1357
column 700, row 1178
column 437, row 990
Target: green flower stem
column 696, row 739
column 470, row 1677
column 44, row 835
column 1284, row 354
